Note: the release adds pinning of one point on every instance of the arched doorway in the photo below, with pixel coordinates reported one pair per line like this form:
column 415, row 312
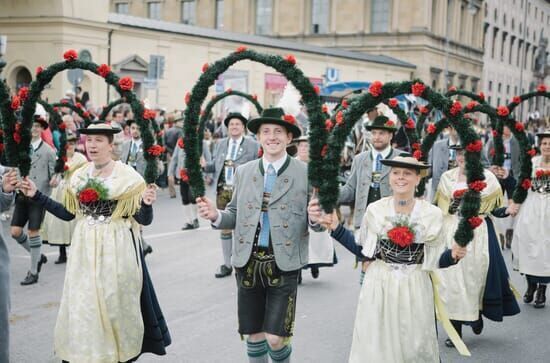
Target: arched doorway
column 21, row 77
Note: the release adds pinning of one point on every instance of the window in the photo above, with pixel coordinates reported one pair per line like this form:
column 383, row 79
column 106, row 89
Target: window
column 512, row 43
column 380, row 16
column 507, row 89
column 498, row 101
column 520, row 46
column 490, row 86
column 502, row 46
column 496, row 15
column 489, row 100
column 189, row 12
column 153, row 9
column 121, row 8
column 219, row 14
column 499, row 88
column 513, row 25
column 495, row 34
column 319, row 16
column 264, row 16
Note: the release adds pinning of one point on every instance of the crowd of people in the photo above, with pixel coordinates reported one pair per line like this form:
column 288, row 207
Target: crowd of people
column 272, row 227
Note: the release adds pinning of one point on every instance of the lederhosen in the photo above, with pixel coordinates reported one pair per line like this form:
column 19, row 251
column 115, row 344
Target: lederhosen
column 224, row 190
column 266, row 295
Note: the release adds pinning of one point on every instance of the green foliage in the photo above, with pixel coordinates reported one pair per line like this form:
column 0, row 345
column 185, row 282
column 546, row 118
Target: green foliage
column 98, row 186
column 105, row 111
column 83, row 114
column 55, row 121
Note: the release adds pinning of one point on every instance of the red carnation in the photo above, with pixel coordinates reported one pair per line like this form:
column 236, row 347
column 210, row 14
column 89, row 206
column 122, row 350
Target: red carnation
column 540, row 173
column 519, row 126
column 423, row 109
column 495, row 133
column 339, row 117
column 532, row 152
column 39, row 70
column 417, row 154
column 392, row 102
column 431, row 128
column 375, row 88
column 56, row 109
column 503, row 111
column 88, row 195
column 290, row 59
column 205, row 67
column 70, row 55
column 78, row 105
column 64, row 100
column 184, row 177
column 260, row 152
column 409, row 124
column 474, row 147
column 17, row 137
column 324, row 108
column 149, row 114
column 459, row 193
column 316, row 89
column 418, row 89
column 526, row 184
column 475, row 221
column 477, row 185
column 229, row 90
column 328, row 125
column 103, row 70
column 290, row 119
column 541, row 88
column 62, row 126
column 23, row 93
column 452, row 89
column 15, row 103
column 155, row 150
column 516, row 100
column 86, row 114
column 324, row 151
column 481, row 96
column 470, row 106
column 181, row 143
column 389, row 123
column 455, row 108
column 415, row 146
column 401, row 236
column 187, row 98
column 345, row 103
column 255, row 97
column 126, row 83
column 241, row 49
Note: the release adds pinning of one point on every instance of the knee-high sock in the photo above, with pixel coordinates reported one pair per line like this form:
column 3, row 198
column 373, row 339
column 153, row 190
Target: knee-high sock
column 227, row 244
column 187, row 218
column 280, row 355
column 257, row 351
column 35, row 243
column 23, row 240
column 194, row 214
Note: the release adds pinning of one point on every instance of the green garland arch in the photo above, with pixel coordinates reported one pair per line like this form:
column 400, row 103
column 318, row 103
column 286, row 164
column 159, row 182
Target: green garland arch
column 83, row 114
column 106, row 109
column 208, row 109
column 328, row 193
column 57, row 121
column 422, row 118
column 211, row 72
column 9, row 122
column 123, row 86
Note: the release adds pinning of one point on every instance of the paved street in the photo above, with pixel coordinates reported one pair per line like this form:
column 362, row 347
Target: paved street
column 201, row 310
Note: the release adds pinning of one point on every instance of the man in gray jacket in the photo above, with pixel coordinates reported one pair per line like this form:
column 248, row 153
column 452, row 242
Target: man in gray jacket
column 268, row 211
column 26, row 210
column 229, row 153
column 8, row 182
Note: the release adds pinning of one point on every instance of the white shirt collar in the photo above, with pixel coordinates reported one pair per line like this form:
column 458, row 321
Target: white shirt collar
column 384, row 152
column 138, row 142
column 36, row 144
column 239, row 140
column 277, row 164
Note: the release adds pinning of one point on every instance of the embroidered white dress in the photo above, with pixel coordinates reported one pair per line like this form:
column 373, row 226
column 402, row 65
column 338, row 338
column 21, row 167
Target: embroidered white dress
column 99, row 318
column 395, row 319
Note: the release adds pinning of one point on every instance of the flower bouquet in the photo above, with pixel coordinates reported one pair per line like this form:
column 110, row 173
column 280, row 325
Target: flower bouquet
column 93, row 191
column 541, row 181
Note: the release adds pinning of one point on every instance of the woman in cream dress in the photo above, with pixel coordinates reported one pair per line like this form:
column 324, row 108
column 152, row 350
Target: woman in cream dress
column 531, row 247
column 477, row 285
column 55, row 231
column 108, row 312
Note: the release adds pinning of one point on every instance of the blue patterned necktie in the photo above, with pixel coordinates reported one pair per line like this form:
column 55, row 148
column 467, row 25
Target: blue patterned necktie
column 271, row 176
column 233, row 152
column 378, row 162
column 377, row 170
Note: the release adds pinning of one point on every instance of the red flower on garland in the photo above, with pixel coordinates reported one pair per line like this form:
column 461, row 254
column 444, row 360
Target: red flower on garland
column 187, row 98
column 78, row 105
column 519, row 126
column 181, row 143
column 290, row 59
column 540, row 173
column 418, row 89
column 62, row 126
column 15, row 103
column 392, row 102
column 495, row 133
column 64, row 100
column 541, row 88
column 324, row 108
column 23, row 93
column 481, row 96
column 126, row 83
column 255, row 97
column 417, row 154
column 88, row 195
column 375, row 88
column 431, row 128
column 402, row 236
column 324, row 151
column 459, row 193
column 526, row 184
column 477, row 185
column 452, row 89
column 475, row 221
column 474, row 147
column 455, row 108
column 56, row 109
column 103, row 70
column 229, row 90
column 290, row 119
column 316, row 89
column 470, row 106
column 39, row 70
column 516, row 100
column 205, row 67
column 503, row 111
column 409, row 124
column 17, row 137
column 241, row 49
column 155, row 150
column 86, row 114
column 70, row 55
column 345, row 103
column 339, row 117
column 328, row 125
column 184, row 177
column 149, row 114
column 532, row 152
column 260, row 152
column 424, row 110
column 415, row 146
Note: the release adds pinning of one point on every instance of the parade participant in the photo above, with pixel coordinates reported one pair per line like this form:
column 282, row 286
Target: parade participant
column 27, row 210
column 268, row 213
column 9, row 183
column 442, row 158
column 400, row 237
column 118, row 121
column 531, row 247
column 229, row 153
column 108, row 312
column 177, row 171
column 478, row 285
column 54, row 231
column 171, row 136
